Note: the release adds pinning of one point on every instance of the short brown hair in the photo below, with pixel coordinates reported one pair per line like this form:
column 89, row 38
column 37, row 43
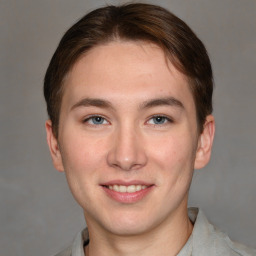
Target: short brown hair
column 132, row 22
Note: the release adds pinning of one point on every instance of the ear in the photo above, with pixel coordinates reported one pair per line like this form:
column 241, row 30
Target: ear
column 54, row 147
column 205, row 142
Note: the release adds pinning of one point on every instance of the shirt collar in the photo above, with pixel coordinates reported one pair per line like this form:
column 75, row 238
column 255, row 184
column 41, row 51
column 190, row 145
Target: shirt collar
column 201, row 226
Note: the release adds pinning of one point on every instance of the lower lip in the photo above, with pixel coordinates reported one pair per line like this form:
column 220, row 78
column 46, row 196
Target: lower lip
column 127, row 197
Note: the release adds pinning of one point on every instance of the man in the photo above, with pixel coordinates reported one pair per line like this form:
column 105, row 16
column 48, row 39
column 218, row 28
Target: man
column 129, row 98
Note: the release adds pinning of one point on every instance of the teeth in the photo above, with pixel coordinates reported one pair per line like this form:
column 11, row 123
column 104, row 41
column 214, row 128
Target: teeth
column 122, row 189
column 131, row 189
column 127, row 189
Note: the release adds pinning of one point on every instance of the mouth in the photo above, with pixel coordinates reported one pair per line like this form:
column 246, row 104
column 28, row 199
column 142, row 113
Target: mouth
column 126, row 189
column 127, row 192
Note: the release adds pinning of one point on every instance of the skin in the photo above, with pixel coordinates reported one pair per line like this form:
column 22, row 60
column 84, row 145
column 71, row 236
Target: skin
column 126, row 85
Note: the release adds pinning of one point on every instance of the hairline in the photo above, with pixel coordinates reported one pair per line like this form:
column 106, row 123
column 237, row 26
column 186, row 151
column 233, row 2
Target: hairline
column 117, row 39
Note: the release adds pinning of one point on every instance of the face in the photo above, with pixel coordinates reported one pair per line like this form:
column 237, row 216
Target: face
column 128, row 138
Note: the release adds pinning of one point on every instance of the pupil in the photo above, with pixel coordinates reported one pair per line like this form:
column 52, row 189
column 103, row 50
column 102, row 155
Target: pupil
column 97, row 120
column 159, row 119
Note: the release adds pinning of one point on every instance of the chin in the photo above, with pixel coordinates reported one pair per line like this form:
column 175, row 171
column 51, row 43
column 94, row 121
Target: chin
column 131, row 224
column 128, row 230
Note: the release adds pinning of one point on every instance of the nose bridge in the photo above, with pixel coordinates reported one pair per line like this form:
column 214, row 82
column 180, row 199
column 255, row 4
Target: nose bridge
column 127, row 152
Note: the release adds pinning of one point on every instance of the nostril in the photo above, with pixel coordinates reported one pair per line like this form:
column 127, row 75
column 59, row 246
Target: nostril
column 126, row 152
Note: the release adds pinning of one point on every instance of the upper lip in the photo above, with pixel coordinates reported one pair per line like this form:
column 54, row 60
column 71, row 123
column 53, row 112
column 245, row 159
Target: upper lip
column 126, row 183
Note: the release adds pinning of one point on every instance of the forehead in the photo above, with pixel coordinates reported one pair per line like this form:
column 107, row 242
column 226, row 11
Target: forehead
column 128, row 70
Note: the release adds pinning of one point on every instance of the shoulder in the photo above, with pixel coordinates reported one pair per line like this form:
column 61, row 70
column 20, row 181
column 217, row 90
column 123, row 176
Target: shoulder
column 77, row 247
column 209, row 240
column 225, row 246
column 66, row 252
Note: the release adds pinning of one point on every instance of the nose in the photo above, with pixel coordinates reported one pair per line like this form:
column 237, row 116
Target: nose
column 127, row 151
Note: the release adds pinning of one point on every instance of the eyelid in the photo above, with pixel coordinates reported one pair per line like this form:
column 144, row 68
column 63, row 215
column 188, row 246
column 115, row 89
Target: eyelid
column 168, row 119
column 87, row 118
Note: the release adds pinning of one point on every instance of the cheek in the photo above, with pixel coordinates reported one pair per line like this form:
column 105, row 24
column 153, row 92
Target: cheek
column 81, row 152
column 174, row 159
column 173, row 152
column 82, row 161
column 82, row 158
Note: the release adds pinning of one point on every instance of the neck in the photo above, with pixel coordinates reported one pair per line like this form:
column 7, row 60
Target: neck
column 168, row 238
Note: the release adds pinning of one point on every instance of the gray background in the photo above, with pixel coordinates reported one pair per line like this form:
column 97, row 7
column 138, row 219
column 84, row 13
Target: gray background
column 38, row 214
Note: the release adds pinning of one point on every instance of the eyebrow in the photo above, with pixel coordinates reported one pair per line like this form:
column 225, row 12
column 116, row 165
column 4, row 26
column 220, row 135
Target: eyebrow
column 101, row 103
column 169, row 101
column 87, row 102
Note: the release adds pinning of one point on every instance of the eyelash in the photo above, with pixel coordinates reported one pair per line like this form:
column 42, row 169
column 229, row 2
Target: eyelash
column 87, row 119
column 166, row 120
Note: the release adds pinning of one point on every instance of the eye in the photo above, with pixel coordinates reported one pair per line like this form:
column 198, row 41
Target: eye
column 158, row 120
column 95, row 120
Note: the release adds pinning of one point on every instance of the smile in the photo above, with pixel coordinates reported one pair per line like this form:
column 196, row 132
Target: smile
column 127, row 189
column 132, row 192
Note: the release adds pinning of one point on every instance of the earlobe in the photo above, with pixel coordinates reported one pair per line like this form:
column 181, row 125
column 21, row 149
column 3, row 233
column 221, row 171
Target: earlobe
column 53, row 147
column 205, row 142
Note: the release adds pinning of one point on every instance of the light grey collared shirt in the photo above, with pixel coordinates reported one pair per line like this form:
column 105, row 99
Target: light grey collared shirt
column 205, row 240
